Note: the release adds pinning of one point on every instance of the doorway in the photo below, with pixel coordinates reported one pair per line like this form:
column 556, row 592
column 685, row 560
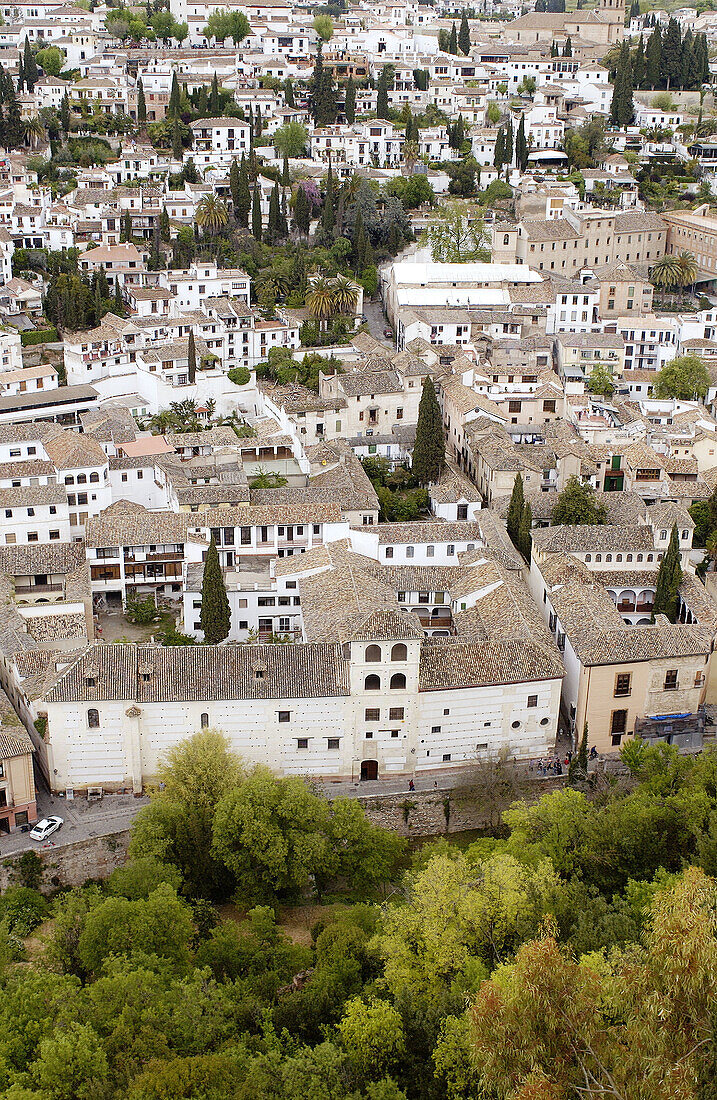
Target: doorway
column 369, row 769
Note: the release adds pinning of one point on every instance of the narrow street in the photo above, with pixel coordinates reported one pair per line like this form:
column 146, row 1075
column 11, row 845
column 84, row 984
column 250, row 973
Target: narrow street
column 375, row 320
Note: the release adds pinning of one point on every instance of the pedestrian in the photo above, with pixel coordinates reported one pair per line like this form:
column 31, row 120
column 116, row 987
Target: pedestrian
column 593, row 753
column 411, row 785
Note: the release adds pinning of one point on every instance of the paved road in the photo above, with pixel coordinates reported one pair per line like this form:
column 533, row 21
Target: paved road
column 376, row 320
column 83, row 820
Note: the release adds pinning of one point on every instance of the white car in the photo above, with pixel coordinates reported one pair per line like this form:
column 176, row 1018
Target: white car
column 45, row 828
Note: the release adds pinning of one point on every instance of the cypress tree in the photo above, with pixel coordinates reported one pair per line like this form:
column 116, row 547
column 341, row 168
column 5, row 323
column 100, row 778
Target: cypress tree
column 141, row 105
column 669, row 577
column 272, row 226
column 98, row 308
column 164, row 227
column 382, row 95
column 350, row 107
column 234, row 183
column 464, row 35
column 285, row 176
column 177, row 151
column 288, row 92
column 554, row 51
column 327, row 217
column 702, row 55
column 509, row 141
column 258, row 122
column 653, row 59
column 191, row 359
column 29, row 66
column 521, row 146
column 13, row 124
column 65, row 113
column 215, row 103
column 429, row 451
column 256, row 214
column 203, row 102
column 242, row 202
column 173, row 105
column 499, row 154
column 671, row 60
column 283, row 223
column 302, row 211
column 622, row 108
column 638, row 65
column 525, row 539
column 691, row 65
column 127, row 230
column 453, row 40
column 20, row 75
column 118, row 307
column 515, row 509
column 215, row 616
column 568, row 47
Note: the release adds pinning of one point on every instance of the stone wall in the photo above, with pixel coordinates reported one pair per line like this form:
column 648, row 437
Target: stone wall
column 73, row 864
column 451, row 810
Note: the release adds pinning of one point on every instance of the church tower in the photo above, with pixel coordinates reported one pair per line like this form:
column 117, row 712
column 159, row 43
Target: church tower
column 612, row 12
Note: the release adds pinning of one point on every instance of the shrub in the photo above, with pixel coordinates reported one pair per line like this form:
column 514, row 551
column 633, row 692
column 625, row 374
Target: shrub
column 39, row 336
column 22, row 909
column 239, row 376
column 141, row 612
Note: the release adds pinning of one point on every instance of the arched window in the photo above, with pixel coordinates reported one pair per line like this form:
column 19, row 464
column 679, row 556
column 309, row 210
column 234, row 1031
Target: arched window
column 82, row 479
column 94, row 477
column 372, row 682
column 398, row 681
column 93, row 718
column 373, row 653
column 399, row 652
column 204, row 721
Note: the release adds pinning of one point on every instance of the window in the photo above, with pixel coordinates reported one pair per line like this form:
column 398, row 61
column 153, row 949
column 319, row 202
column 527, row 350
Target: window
column 399, row 652
column 204, row 720
column 93, row 718
column 410, row 551
column 302, row 742
column 332, row 742
column 373, row 653
column 398, row 681
column 430, row 551
column 532, row 700
column 284, row 715
column 623, row 683
column 389, row 551
column 435, row 729
column 395, row 714
column 671, row 680
column 54, row 535
column 372, row 683
column 618, row 722
column 450, row 549
column 515, row 725
column 94, row 477
column 372, row 714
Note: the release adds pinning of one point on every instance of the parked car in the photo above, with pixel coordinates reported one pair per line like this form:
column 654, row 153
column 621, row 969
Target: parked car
column 46, row 828
column 388, row 333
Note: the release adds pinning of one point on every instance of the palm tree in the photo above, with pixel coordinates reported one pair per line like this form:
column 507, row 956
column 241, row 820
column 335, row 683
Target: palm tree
column 320, row 300
column 688, row 269
column 33, row 131
column 411, row 153
column 212, row 214
column 345, row 295
column 667, row 272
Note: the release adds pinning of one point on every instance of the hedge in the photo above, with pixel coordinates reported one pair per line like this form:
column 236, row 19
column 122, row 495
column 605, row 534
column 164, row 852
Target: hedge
column 39, row 336
column 239, row 376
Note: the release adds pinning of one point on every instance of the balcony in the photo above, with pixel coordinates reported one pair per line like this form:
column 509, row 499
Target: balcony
column 37, row 589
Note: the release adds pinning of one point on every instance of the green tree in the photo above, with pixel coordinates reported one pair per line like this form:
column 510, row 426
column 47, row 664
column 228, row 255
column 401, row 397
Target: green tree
column 242, row 201
column 653, row 58
column 373, row 1037
column 174, row 98
column 671, row 55
column 456, row 236
column 290, row 140
column 382, row 93
column 141, row 105
column 638, row 64
column 29, row 66
column 223, row 24
column 577, row 504
column 160, row 924
column 669, row 578
column 350, row 105
column 516, row 507
column 71, row 1064
column 328, row 219
column 685, row 378
column 324, row 27
column 522, row 150
column 464, row 35
column 453, row 40
column 568, row 47
column 215, row 616
column 622, row 107
column 215, row 104
column 191, row 359
column 429, row 450
column 256, row 219
column 272, row 226
column 525, row 538
column 51, row 59
column 600, row 381
column 499, row 152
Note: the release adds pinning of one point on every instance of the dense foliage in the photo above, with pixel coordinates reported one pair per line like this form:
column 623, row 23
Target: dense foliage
column 581, row 945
